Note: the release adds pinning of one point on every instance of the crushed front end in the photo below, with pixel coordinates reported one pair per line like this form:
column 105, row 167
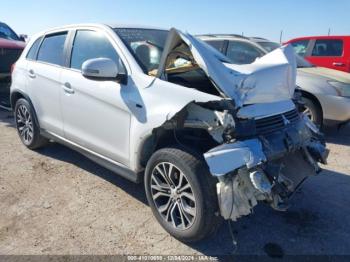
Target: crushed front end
column 267, row 160
column 254, row 139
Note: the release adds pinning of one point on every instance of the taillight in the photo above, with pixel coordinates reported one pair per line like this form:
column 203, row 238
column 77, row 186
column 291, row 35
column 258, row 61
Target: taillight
column 13, row 67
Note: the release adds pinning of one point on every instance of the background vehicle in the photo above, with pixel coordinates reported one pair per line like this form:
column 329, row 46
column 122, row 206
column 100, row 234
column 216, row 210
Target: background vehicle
column 326, row 51
column 11, row 47
column 326, row 92
column 140, row 102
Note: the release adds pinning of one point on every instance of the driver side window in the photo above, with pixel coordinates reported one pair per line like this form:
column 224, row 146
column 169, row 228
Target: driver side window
column 91, row 44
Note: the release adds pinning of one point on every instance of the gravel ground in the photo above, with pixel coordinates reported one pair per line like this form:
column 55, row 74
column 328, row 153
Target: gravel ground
column 56, row 201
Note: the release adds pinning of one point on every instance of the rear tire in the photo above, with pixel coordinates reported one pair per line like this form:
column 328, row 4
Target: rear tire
column 313, row 111
column 27, row 126
column 181, row 181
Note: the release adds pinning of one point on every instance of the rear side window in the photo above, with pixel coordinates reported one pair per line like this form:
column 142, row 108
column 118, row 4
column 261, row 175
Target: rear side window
column 242, row 53
column 34, row 49
column 300, row 47
column 218, row 45
column 328, row 47
column 90, row 44
column 52, row 49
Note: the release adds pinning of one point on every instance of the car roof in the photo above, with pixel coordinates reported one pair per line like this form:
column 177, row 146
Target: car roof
column 115, row 25
column 318, row 37
column 222, row 36
column 259, row 39
column 98, row 25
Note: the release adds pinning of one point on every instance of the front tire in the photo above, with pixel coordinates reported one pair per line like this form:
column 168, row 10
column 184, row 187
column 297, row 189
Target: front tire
column 182, row 194
column 27, row 127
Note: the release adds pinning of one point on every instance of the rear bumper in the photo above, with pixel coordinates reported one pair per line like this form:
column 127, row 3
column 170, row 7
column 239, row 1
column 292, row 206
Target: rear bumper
column 4, row 76
column 5, row 82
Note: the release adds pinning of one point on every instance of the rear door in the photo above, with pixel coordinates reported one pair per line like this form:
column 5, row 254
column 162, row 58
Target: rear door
column 328, row 52
column 44, row 72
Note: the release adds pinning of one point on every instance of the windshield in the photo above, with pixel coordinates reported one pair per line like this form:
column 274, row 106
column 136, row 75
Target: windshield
column 269, row 46
column 7, row 33
column 146, row 45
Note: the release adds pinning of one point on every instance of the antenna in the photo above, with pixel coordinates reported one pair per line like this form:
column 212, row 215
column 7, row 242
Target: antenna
column 281, row 35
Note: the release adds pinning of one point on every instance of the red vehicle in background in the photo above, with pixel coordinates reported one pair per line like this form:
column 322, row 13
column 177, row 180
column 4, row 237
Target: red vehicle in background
column 11, row 47
column 325, row 51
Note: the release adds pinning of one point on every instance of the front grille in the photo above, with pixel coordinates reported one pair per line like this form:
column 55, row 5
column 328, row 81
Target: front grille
column 277, row 122
column 7, row 58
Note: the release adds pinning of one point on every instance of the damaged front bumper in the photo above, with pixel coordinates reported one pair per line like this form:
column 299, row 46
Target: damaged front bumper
column 267, row 168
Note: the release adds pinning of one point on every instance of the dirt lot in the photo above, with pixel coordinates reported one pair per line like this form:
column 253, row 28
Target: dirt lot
column 56, row 201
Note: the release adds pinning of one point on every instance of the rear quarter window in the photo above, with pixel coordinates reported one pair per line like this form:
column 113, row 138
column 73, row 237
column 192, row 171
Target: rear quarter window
column 31, row 55
column 52, row 49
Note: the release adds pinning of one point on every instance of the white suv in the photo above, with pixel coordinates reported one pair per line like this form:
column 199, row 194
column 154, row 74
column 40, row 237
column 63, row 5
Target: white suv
column 208, row 138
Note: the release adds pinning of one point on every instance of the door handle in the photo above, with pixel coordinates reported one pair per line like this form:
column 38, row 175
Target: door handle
column 338, row 64
column 68, row 88
column 31, row 73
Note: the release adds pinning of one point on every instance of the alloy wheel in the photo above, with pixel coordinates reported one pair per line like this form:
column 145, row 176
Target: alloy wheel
column 307, row 111
column 25, row 124
column 173, row 195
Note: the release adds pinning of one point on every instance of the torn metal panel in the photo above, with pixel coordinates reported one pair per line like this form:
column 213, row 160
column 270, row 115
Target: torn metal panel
column 269, row 79
column 213, row 121
column 229, row 157
column 237, row 195
column 269, row 167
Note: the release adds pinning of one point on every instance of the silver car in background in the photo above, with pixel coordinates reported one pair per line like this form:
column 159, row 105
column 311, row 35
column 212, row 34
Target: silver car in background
column 326, row 92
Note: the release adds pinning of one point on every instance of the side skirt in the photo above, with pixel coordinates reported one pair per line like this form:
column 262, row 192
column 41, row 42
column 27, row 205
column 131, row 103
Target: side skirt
column 107, row 163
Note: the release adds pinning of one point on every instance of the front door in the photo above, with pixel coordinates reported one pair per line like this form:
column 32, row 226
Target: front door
column 94, row 112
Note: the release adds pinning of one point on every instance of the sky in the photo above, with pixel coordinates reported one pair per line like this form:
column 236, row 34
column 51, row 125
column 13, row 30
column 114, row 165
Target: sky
column 263, row 18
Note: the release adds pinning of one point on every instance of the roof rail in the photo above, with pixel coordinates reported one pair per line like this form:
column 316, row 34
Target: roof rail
column 224, row 35
column 258, row 38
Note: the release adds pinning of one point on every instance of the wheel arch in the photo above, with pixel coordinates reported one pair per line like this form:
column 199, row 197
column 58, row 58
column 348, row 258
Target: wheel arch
column 314, row 99
column 162, row 138
column 18, row 94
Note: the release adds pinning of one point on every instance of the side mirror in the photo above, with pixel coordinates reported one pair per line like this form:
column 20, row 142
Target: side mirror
column 23, row 38
column 102, row 68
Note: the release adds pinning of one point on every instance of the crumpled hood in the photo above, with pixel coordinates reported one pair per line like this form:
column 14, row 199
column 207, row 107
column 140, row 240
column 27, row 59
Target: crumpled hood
column 331, row 74
column 269, row 79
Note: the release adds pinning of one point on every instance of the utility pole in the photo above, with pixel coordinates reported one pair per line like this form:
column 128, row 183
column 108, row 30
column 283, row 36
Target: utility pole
column 329, row 31
column 281, row 35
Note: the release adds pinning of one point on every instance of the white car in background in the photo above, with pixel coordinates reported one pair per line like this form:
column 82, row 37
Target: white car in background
column 209, row 139
column 326, row 92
